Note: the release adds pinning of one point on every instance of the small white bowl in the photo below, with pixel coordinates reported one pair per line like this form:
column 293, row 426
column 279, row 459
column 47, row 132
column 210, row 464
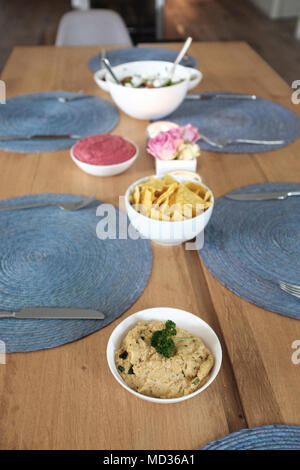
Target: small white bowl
column 163, row 232
column 148, row 103
column 184, row 320
column 166, row 166
column 105, row 170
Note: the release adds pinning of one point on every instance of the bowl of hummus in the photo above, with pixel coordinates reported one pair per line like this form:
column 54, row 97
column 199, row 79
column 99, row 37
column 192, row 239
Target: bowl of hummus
column 104, row 154
column 164, row 355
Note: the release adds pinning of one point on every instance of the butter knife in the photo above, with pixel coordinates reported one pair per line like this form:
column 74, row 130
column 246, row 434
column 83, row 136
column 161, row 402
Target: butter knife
column 54, row 313
column 262, row 196
column 40, row 137
column 217, row 96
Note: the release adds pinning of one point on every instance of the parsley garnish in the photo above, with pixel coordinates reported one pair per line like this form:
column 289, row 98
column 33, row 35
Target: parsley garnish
column 130, row 371
column 161, row 340
column 123, row 355
column 121, row 368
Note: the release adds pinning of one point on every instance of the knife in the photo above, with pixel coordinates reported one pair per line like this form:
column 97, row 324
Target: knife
column 54, row 312
column 262, row 196
column 220, row 96
column 40, row 137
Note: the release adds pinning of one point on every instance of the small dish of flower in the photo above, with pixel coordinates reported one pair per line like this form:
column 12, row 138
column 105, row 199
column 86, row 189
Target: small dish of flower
column 175, row 149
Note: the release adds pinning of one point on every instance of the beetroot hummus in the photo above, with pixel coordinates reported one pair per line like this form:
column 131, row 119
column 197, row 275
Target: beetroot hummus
column 104, row 149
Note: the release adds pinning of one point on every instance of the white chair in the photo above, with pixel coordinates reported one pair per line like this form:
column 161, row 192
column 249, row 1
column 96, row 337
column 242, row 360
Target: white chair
column 297, row 32
column 92, row 27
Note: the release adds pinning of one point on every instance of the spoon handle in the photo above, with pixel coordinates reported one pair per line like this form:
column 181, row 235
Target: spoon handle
column 181, row 54
column 106, row 63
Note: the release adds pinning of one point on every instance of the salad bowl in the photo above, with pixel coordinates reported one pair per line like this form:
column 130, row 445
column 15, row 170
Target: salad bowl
column 145, row 102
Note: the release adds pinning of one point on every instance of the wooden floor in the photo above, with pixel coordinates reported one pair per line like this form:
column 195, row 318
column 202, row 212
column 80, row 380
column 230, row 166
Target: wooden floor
column 35, row 23
column 231, row 20
column 28, row 23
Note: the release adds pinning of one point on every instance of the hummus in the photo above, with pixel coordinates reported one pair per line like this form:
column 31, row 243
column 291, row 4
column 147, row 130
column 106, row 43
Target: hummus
column 150, row 373
column 104, row 149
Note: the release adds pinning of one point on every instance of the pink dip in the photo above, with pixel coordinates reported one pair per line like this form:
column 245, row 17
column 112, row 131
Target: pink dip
column 103, row 149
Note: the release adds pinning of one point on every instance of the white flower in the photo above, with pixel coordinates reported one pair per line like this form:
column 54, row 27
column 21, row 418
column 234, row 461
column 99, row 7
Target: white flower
column 188, row 151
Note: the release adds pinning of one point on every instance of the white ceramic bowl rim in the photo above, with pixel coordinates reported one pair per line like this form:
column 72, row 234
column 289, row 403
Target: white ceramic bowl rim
column 194, row 79
column 129, row 325
column 115, row 165
column 165, row 222
column 115, row 69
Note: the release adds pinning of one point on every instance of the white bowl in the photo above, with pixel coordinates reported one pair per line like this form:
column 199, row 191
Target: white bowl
column 195, row 78
column 148, row 103
column 165, row 166
column 105, row 170
column 164, row 232
column 184, row 320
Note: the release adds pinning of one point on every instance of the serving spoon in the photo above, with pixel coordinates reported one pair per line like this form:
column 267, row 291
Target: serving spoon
column 107, row 65
column 181, row 54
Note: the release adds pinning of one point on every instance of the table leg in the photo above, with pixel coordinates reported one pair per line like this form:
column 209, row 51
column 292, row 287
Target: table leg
column 159, row 18
column 81, row 4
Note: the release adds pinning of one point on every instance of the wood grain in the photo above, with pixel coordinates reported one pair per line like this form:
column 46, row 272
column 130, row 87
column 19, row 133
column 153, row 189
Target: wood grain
column 66, row 397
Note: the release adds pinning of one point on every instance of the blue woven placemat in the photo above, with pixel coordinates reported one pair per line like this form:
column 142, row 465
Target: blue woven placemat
column 251, row 245
column 275, row 437
column 132, row 54
column 51, row 257
column 222, row 119
column 42, row 113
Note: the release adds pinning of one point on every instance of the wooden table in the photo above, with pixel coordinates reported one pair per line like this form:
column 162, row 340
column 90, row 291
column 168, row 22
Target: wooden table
column 66, row 397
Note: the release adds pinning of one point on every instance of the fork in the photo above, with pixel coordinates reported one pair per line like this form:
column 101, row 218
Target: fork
column 66, row 99
column 223, row 143
column 291, row 289
column 67, row 206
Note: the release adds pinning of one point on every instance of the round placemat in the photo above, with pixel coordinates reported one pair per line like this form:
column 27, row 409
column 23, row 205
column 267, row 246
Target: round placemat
column 132, row 54
column 251, row 245
column 42, row 113
column 274, row 437
column 222, row 119
column 52, row 257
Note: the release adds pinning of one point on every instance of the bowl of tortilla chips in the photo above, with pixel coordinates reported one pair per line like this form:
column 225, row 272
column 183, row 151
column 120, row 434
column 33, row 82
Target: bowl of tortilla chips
column 169, row 210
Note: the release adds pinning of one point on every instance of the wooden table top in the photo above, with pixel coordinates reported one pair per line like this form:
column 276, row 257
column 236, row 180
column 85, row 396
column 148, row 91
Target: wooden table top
column 66, row 397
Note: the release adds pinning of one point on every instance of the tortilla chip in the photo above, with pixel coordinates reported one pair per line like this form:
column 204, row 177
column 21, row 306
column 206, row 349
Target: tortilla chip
column 196, row 188
column 185, row 196
column 166, row 199
column 207, row 196
column 164, row 196
column 136, row 195
column 168, row 180
column 153, row 183
column 155, row 213
column 177, row 213
column 165, row 213
column 188, row 211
